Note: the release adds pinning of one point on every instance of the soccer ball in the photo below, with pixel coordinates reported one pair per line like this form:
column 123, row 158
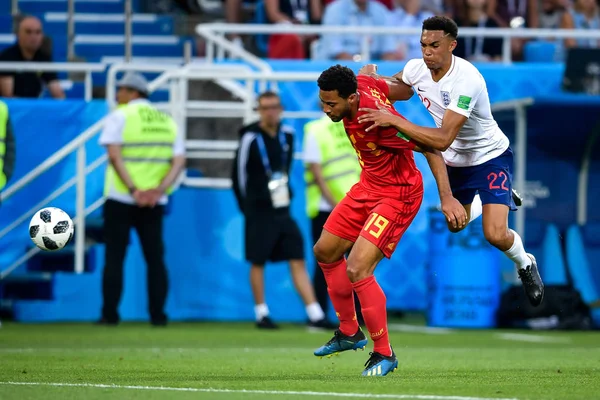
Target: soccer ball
column 51, row 229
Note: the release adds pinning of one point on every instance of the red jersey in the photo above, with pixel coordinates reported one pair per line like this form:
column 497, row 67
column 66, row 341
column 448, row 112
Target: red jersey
column 386, row 158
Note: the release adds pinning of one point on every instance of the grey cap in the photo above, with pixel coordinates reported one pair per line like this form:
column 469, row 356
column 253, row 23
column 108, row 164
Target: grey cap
column 134, row 80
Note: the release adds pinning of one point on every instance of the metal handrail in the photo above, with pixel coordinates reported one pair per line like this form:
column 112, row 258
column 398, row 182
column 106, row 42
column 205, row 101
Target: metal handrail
column 87, row 68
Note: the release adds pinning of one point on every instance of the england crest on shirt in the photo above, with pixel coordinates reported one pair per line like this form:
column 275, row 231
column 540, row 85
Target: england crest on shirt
column 446, row 98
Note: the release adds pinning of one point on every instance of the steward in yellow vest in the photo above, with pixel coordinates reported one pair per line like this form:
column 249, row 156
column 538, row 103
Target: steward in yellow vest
column 146, row 155
column 332, row 167
column 7, row 146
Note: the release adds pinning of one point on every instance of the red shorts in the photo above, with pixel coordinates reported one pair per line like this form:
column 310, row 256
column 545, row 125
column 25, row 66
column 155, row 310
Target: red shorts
column 380, row 220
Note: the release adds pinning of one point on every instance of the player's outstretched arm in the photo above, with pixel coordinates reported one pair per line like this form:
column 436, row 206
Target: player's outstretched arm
column 397, row 89
column 454, row 211
column 436, row 138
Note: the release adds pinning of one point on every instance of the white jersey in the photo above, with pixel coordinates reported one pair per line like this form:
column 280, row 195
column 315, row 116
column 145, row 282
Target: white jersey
column 462, row 90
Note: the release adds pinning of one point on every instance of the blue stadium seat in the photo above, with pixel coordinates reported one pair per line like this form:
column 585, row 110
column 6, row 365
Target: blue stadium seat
column 6, row 23
column 113, row 45
column 583, row 258
column 113, row 24
column 93, row 6
column 543, row 241
column 539, row 51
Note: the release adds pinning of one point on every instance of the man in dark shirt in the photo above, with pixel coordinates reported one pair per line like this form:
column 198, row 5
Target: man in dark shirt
column 261, row 186
column 27, row 49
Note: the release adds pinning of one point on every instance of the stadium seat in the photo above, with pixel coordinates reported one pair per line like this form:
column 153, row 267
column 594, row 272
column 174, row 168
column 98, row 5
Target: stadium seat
column 583, row 253
column 101, row 24
column 539, row 51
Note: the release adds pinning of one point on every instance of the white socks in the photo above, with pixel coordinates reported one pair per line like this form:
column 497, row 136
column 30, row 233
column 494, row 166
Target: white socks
column 476, row 208
column 261, row 311
column 517, row 253
column 315, row 312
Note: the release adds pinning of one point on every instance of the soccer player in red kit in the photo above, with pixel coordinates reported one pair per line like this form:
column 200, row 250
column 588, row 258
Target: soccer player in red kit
column 374, row 214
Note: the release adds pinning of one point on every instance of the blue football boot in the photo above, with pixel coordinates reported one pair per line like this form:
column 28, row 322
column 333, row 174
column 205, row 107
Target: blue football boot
column 380, row 365
column 340, row 342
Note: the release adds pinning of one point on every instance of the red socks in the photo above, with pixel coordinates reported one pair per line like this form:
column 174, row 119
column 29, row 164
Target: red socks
column 342, row 295
column 372, row 301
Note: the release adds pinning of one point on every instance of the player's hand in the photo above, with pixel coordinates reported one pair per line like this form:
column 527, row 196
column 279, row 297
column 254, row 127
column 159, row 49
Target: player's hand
column 368, row 69
column 455, row 212
column 380, row 117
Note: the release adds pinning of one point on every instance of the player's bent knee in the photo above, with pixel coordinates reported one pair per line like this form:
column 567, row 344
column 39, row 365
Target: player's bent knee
column 325, row 254
column 356, row 271
column 495, row 234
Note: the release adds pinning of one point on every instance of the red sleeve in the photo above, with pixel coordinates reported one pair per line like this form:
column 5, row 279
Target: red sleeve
column 366, row 80
column 390, row 137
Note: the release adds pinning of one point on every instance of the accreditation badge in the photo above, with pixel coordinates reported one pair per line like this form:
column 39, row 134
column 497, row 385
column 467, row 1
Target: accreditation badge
column 280, row 193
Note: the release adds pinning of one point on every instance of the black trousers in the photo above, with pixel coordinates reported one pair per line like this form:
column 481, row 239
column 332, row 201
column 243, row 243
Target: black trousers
column 119, row 218
column 319, row 283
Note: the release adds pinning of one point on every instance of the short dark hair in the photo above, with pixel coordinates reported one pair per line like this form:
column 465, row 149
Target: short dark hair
column 269, row 94
column 441, row 23
column 338, row 78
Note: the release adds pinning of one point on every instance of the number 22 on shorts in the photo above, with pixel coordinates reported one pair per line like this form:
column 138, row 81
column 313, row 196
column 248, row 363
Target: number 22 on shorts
column 501, row 179
column 378, row 223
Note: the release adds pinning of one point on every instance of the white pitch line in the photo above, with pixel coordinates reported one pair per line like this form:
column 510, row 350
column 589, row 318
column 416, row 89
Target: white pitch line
column 243, row 391
column 526, row 337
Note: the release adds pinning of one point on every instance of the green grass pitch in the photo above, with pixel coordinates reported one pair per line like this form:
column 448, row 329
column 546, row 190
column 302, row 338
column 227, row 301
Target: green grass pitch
column 236, row 361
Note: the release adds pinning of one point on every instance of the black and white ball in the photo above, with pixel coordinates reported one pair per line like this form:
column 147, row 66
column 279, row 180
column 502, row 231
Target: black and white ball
column 51, row 229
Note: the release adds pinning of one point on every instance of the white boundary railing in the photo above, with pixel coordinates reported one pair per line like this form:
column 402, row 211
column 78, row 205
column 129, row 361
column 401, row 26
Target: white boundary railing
column 87, row 68
column 210, row 31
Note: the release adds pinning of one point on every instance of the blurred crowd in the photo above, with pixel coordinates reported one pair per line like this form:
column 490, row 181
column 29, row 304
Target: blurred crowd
column 548, row 14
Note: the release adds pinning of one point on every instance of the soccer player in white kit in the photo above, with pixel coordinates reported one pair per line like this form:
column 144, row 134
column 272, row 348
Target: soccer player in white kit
column 477, row 153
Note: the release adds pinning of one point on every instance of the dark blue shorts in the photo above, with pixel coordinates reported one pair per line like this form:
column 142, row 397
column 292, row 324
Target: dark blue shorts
column 492, row 180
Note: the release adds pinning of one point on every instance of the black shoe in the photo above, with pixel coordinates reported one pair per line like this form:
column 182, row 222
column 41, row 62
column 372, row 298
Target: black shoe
column 517, row 198
column 266, row 323
column 107, row 322
column 322, row 324
column 160, row 322
column 380, row 365
column 532, row 283
column 340, row 342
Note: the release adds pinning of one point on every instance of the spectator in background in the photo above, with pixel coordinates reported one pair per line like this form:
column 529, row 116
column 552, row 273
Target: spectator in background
column 409, row 14
column 332, row 168
column 478, row 48
column 584, row 14
column 7, row 146
column 551, row 13
column 514, row 14
column 291, row 46
column 261, row 186
column 357, row 13
column 28, row 49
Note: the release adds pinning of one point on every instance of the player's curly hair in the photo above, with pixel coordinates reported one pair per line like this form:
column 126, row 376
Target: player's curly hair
column 338, row 78
column 441, row 23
